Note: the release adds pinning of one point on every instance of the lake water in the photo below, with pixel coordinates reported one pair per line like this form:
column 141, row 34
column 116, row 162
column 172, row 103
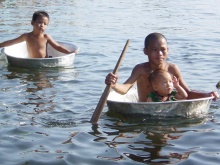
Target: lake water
column 45, row 113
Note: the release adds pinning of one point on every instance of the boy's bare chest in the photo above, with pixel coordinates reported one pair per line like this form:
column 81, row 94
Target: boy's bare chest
column 36, row 47
column 38, row 42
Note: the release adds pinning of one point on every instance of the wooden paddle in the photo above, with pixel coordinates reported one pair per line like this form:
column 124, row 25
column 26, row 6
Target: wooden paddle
column 102, row 100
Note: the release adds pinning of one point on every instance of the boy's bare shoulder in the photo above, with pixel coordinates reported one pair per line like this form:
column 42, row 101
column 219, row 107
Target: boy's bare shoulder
column 142, row 65
column 25, row 36
column 47, row 36
column 142, row 68
column 172, row 66
column 174, row 69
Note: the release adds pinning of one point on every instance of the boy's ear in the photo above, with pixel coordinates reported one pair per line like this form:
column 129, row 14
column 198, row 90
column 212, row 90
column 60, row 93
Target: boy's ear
column 145, row 51
column 32, row 22
column 154, row 87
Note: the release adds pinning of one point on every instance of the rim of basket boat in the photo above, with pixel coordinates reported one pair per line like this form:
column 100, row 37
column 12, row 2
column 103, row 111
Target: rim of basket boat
column 43, row 59
column 167, row 102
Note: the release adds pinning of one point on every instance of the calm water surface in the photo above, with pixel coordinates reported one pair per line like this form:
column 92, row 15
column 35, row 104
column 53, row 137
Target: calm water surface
column 45, row 113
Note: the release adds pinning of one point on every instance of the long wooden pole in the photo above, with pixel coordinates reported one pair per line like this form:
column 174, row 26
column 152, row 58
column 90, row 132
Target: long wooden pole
column 102, row 100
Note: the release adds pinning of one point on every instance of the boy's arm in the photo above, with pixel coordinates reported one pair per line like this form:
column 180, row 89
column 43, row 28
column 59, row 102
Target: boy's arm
column 196, row 94
column 111, row 79
column 57, row 46
column 192, row 94
column 13, row 41
column 181, row 93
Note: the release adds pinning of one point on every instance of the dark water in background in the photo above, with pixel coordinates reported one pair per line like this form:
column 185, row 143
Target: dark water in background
column 45, row 113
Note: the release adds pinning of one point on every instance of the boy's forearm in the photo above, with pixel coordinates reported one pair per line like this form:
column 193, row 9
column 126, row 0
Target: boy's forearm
column 181, row 91
column 195, row 94
column 4, row 44
column 121, row 88
column 63, row 50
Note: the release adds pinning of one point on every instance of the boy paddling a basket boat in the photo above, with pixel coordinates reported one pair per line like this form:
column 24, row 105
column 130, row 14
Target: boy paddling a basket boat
column 156, row 49
column 37, row 40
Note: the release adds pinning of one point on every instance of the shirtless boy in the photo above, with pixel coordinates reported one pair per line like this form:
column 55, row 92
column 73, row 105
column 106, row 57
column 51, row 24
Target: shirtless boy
column 157, row 51
column 37, row 40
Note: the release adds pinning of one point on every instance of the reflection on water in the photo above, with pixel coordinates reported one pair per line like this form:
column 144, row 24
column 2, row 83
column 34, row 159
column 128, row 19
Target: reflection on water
column 148, row 141
column 34, row 80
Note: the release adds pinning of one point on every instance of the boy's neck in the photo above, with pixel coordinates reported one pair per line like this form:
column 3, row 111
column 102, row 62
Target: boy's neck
column 36, row 34
column 161, row 66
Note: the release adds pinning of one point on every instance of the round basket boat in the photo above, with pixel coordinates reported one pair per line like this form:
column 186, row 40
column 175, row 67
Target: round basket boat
column 127, row 106
column 17, row 55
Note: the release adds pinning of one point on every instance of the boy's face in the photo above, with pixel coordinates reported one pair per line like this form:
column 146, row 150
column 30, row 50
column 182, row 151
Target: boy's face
column 163, row 84
column 157, row 51
column 40, row 24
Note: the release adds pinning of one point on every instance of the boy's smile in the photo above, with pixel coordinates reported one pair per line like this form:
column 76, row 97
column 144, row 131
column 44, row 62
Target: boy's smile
column 157, row 51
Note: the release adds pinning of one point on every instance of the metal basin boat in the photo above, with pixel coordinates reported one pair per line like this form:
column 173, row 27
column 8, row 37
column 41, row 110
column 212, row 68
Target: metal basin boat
column 17, row 55
column 127, row 106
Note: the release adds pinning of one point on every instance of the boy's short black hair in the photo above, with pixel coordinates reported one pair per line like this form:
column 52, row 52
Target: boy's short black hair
column 152, row 37
column 40, row 13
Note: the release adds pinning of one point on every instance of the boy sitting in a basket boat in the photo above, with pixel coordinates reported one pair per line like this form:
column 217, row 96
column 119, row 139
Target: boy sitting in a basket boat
column 37, row 40
column 157, row 51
